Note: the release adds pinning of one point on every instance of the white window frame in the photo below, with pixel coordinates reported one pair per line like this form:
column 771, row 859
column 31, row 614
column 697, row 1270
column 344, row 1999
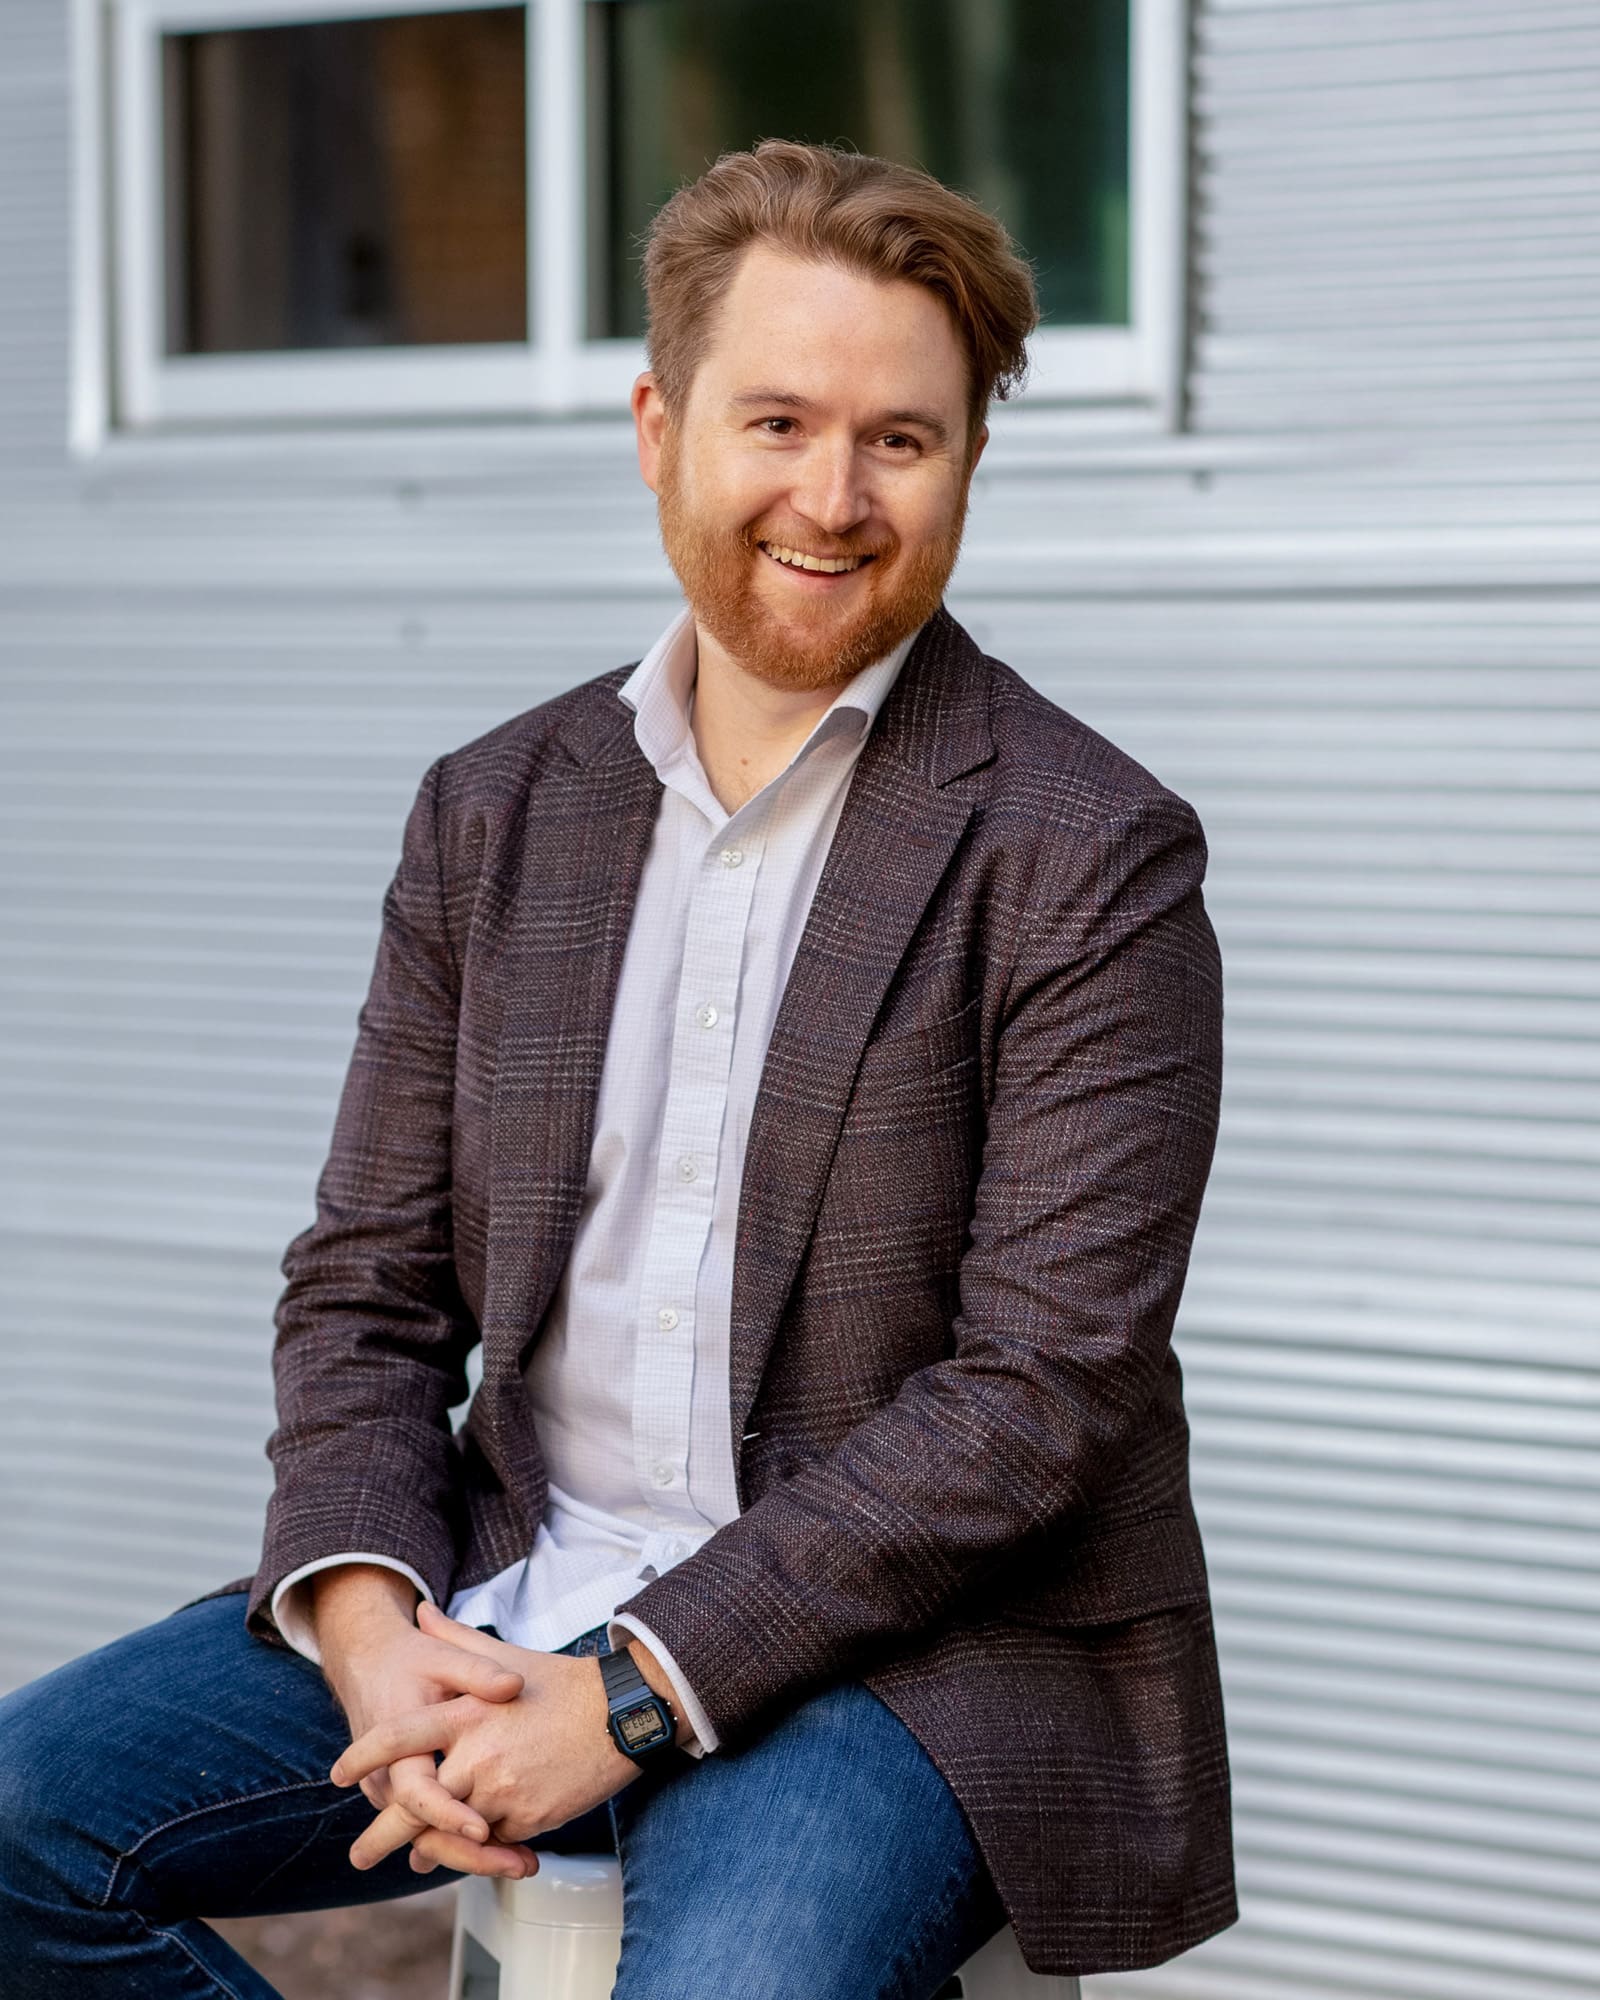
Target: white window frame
column 123, row 379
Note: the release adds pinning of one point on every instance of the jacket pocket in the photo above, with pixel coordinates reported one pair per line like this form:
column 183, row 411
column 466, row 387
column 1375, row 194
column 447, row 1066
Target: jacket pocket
column 1104, row 1578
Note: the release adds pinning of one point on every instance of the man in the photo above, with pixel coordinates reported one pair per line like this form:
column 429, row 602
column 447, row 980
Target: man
column 795, row 1059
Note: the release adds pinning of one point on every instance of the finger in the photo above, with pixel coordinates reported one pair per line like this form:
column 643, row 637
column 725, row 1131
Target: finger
column 433, row 1623
column 376, row 1790
column 416, row 1734
column 393, row 1827
column 432, row 1850
column 439, row 1625
column 467, row 1673
column 455, row 1672
column 429, row 1797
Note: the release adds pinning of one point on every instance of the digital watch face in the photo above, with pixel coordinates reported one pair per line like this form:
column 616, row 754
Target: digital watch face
column 642, row 1728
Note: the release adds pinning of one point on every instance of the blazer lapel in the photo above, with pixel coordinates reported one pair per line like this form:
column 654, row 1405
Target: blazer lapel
column 588, row 833
column 896, row 836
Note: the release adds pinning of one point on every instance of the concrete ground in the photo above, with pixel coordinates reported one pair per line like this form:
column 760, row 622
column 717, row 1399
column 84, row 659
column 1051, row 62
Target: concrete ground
column 388, row 1951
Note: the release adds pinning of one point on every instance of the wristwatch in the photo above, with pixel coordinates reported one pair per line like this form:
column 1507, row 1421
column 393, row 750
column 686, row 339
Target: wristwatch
column 639, row 1720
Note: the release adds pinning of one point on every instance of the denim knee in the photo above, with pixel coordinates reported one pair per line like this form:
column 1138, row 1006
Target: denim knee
column 46, row 1855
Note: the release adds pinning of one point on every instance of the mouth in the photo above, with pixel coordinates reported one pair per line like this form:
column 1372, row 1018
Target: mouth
column 798, row 562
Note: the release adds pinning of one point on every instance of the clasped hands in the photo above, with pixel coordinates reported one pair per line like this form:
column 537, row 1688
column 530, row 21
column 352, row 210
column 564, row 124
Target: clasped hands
column 521, row 1735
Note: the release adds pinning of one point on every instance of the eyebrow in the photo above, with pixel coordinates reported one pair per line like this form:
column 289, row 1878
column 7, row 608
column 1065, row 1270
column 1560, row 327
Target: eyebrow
column 785, row 399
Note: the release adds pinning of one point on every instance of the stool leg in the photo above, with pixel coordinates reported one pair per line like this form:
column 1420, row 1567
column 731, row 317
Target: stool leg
column 478, row 1943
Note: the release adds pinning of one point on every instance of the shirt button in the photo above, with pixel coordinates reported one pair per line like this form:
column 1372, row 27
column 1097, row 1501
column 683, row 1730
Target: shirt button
column 662, row 1474
column 707, row 1016
column 732, row 856
column 667, row 1317
column 687, row 1168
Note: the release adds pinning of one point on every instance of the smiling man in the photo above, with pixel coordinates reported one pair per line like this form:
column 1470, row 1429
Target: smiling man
column 795, row 1059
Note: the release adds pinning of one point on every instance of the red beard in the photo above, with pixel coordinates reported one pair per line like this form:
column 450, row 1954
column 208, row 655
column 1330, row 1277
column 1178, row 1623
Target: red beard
column 818, row 645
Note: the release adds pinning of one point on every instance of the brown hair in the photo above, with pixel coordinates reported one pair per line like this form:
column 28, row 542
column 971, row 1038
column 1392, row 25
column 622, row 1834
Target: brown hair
column 869, row 215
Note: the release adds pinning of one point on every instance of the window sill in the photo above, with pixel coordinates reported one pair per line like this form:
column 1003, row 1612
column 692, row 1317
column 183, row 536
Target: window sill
column 1025, row 438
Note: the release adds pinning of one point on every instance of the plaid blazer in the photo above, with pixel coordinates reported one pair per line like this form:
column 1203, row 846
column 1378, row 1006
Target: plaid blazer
column 973, row 1173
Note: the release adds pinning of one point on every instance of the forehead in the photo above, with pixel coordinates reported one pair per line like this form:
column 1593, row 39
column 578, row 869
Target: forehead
column 832, row 335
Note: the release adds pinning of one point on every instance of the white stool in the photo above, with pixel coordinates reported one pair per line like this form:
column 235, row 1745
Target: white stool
column 558, row 1936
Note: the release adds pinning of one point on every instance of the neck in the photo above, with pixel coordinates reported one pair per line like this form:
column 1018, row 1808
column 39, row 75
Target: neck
column 743, row 726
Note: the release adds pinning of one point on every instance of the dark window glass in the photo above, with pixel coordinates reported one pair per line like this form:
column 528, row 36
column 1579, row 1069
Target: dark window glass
column 1021, row 103
column 347, row 184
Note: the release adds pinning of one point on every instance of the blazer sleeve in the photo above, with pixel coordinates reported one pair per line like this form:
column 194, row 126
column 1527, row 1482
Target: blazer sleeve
column 1098, row 1142
column 372, row 1331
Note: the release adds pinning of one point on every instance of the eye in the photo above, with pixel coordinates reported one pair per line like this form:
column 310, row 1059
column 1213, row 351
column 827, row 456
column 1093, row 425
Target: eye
column 766, row 423
column 899, row 440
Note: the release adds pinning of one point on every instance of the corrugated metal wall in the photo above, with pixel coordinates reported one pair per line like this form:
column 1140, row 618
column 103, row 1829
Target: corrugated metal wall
column 1353, row 616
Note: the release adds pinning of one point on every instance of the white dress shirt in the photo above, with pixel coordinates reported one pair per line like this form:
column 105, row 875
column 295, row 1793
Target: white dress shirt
column 629, row 1378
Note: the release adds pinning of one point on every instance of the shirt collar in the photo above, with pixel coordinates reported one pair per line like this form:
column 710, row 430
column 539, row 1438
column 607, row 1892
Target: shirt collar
column 660, row 690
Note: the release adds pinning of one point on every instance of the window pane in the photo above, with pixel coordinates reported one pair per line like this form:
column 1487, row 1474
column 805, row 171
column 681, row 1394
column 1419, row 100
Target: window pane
column 1022, row 103
column 346, row 184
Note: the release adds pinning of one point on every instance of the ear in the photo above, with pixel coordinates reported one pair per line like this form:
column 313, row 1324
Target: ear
column 649, row 422
column 978, row 444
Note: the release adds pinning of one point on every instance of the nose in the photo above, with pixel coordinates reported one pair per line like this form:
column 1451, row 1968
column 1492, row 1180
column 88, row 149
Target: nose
column 831, row 488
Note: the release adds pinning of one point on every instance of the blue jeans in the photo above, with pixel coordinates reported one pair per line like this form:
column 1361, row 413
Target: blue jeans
column 182, row 1773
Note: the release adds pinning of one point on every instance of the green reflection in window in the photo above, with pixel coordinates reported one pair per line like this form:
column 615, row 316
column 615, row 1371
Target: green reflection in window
column 1021, row 103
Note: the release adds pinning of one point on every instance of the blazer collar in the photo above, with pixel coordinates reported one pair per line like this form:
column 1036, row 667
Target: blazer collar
column 935, row 720
column 661, row 692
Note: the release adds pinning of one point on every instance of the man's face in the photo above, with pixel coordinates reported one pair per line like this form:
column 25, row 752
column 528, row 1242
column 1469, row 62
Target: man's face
column 827, row 421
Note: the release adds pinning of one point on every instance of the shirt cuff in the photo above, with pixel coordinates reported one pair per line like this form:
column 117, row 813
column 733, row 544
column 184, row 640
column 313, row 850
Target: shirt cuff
column 291, row 1601
column 705, row 1737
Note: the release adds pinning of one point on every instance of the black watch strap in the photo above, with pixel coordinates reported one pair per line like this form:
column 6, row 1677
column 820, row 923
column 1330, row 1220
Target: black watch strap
column 640, row 1721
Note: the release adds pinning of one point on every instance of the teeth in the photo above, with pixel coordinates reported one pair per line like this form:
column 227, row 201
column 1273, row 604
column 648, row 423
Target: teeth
column 797, row 559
